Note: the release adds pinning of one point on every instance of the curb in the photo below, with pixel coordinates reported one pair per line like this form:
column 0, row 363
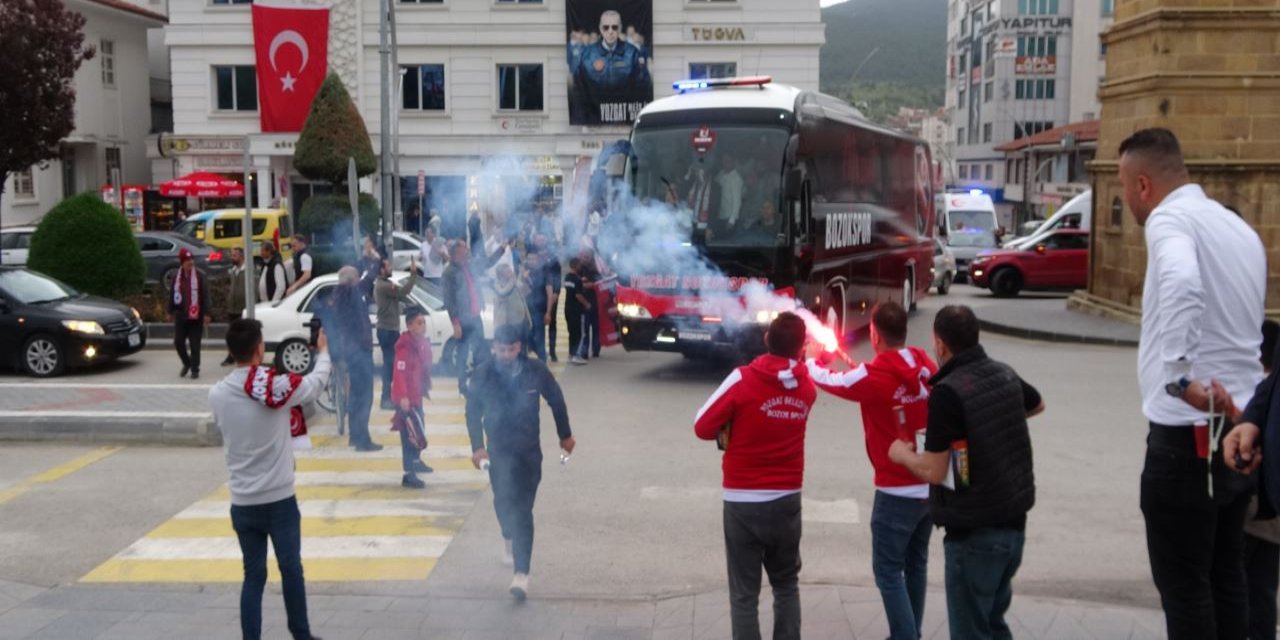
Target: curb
column 175, row 430
column 1051, row 336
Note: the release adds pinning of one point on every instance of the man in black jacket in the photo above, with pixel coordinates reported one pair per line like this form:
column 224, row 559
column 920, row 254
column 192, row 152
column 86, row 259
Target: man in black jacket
column 977, row 457
column 503, row 404
column 189, row 306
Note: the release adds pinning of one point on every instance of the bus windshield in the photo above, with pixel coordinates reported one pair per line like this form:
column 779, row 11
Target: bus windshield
column 971, row 229
column 724, row 180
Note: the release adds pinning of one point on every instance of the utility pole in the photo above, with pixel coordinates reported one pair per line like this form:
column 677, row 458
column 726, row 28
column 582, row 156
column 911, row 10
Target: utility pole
column 384, row 128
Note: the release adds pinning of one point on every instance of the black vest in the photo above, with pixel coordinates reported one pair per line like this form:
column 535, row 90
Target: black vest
column 270, row 271
column 1001, row 483
column 297, row 264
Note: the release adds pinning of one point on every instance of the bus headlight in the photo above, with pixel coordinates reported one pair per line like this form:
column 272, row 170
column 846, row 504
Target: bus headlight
column 628, row 310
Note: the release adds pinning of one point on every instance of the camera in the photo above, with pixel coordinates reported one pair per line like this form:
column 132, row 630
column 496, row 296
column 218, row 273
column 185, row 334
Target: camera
column 314, row 325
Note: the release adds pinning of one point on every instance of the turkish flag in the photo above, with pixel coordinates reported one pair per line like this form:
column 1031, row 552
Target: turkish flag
column 292, row 49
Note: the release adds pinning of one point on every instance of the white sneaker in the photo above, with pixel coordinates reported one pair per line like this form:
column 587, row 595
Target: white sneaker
column 577, row 360
column 520, row 586
column 508, row 560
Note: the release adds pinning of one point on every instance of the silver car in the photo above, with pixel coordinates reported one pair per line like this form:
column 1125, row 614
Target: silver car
column 944, row 267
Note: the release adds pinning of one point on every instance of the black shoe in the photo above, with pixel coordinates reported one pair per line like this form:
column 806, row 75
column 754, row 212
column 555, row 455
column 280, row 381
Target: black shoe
column 388, row 405
column 411, row 481
column 369, row 446
column 421, row 467
column 228, row 361
column 554, row 358
column 184, row 372
column 195, row 373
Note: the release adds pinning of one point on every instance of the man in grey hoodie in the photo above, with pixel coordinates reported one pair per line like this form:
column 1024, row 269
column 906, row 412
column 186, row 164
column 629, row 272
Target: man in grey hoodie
column 254, row 408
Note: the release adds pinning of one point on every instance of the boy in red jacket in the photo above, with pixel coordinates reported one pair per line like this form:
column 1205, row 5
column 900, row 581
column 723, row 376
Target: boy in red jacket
column 763, row 408
column 894, row 394
column 410, row 379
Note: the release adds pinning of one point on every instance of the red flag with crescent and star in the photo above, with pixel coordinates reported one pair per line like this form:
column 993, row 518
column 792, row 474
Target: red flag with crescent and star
column 292, row 50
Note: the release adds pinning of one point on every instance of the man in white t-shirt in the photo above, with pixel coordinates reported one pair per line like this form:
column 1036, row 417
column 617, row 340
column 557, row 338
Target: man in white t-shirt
column 731, row 186
column 301, row 264
column 434, row 254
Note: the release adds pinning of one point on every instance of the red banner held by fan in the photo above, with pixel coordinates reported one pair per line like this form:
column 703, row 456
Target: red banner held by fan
column 292, row 50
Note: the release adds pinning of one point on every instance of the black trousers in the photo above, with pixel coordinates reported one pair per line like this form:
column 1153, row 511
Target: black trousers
column 1195, row 543
column 187, row 335
column 1262, row 568
column 574, row 319
column 756, row 535
column 551, row 329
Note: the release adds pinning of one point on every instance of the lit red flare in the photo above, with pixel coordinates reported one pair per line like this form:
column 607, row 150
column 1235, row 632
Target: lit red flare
column 825, row 336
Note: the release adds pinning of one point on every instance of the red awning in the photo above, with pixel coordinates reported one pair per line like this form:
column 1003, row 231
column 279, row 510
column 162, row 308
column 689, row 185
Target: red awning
column 202, row 185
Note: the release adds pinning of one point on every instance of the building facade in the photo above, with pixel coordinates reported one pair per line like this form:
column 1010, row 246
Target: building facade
column 1047, row 169
column 1017, row 68
column 483, row 98
column 112, row 115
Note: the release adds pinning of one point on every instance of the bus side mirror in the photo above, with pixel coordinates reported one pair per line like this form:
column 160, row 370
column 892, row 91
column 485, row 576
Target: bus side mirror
column 793, row 148
column 616, row 165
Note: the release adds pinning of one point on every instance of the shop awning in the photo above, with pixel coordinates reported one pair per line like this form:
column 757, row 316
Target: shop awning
column 202, row 185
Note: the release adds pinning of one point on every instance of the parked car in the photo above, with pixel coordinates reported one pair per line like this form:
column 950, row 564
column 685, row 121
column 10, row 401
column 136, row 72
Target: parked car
column 160, row 254
column 404, row 246
column 1058, row 260
column 47, row 327
column 286, row 329
column 944, row 267
column 224, row 229
column 15, row 244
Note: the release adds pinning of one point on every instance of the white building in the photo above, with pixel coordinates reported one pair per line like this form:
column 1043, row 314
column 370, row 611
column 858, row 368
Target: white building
column 470, row 136
column 1017, row 68
column 112, row 115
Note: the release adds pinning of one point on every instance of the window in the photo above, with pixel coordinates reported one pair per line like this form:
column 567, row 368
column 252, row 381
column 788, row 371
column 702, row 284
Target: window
column 1037, row 7
column 710, row 70
column 1023, row 129
column 964, row 171
column 24, row 184
column 960, row 135
column 964, row 27
column 960, row 94
column 1067, row 241
column 1037, row 46
column 236, row 88
column 423, row 87
column 520, row 87
column 318, row 299
column 988, row 91
column 973, row 135
column 230, row 227
column 115, row 171
column 964, row 66
column 1102, row 48
column 153, row 244
column 1108, row 7
column 107, row 49
column 1045, row 89
column 989, row 172
column 986, row 132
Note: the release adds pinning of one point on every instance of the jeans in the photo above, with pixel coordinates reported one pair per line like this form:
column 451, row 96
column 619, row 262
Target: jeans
column 515, row 479
column 1195, row 543
column 979, row 582
column 387, row 342
column 282, row 523
column 360, row 400
column 764, row 534
column 188, row 333
column 473, row 349
column 1262, row 564
column 538, row 333
column 900, row 531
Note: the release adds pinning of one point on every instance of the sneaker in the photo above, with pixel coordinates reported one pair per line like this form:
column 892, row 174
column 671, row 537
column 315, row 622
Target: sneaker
column 195, row 374
column 508, row 560
column 554, row 358
column 411, row 481
column 369, row 446
column 421, row 467
column 520, row 586
column 184, row 372
column 578, row 360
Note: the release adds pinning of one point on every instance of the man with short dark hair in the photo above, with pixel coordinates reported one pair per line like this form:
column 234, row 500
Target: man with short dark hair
column 257, row 411
column 893, row 393
column 302, row 263
column 273, row 281
column 977, row 456
column 759, row 415
column 503, row 422
column 189, row 306
column 237, row 276
column 1202, row 305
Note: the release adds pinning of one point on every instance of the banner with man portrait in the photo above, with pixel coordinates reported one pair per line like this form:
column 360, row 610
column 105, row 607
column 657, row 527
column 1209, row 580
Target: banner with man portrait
column 610, row 53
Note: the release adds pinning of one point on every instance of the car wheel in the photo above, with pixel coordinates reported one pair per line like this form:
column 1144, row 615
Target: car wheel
column 294, row 356
column 43, row 357
column 1006, row 283
column 945, row 285
column 909, row 292
column 834, row 314
column 167, row 279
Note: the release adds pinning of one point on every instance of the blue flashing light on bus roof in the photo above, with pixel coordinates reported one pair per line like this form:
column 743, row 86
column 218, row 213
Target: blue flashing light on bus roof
column 747, row 81
column 975, row 192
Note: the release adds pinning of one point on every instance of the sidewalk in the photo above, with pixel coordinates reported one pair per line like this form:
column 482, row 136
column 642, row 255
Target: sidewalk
column 107, row 412
column 211, row 613
column 1048, row 318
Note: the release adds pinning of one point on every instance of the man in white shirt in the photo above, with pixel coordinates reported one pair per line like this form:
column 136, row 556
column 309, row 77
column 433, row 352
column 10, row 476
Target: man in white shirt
column 434, row 254
column 1202, row 308
column 731, row 185
column 255, row 409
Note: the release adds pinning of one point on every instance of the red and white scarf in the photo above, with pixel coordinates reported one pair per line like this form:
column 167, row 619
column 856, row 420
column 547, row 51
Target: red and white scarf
column 260, row 385
column 188, row 292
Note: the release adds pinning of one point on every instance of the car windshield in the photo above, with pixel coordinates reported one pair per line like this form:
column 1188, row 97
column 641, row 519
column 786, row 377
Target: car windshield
column 971, row 229
column 191, row 229
column 427, row 295
column 28, row 287
column 730, row 174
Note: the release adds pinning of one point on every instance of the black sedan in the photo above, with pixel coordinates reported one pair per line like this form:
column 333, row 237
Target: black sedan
column 47, row 327
column 160, row 253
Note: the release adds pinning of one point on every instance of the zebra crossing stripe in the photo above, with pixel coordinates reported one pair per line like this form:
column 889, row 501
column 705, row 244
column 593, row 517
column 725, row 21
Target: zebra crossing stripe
column 231, row 571
column 440, row 526
column 227, row 548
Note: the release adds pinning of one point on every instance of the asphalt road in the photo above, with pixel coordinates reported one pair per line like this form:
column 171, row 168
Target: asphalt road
column 636, row 512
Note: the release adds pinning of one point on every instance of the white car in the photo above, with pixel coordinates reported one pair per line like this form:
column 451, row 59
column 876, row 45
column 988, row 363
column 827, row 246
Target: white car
column 287, row 333
column 15, row 244
column 404, row 246
column 944, row 267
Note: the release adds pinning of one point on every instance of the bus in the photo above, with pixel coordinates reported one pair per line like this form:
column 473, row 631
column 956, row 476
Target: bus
column 791, row 189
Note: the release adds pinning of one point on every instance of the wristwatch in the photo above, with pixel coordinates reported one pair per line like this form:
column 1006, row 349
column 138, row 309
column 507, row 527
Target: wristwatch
column 1179, row 388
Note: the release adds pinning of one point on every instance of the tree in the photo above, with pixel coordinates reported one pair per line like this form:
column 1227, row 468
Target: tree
column 44, row 45
column 89, row 245
column 334, row 131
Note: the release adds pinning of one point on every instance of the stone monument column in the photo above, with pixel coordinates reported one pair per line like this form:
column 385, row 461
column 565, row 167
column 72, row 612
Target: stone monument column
column 1208, row 70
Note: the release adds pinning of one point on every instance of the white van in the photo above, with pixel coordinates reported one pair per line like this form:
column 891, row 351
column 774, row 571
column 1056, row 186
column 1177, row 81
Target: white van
column 1077, row 213
column 968, row 225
